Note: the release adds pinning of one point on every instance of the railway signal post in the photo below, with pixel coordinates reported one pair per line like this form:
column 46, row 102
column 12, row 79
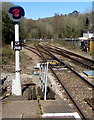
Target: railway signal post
column 16, row 14
column 43, row 78
column 46, row 75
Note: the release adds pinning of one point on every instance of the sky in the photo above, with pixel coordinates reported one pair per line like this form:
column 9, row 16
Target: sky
column 36, row 10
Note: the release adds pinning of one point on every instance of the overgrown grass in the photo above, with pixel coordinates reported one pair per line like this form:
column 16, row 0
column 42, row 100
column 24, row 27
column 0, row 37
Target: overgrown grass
column 24, row 59
column 7, row 55
column 25, row 63
column 8, row 60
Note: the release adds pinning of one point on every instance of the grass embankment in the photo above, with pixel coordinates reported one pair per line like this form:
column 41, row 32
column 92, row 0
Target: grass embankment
column 8, row 60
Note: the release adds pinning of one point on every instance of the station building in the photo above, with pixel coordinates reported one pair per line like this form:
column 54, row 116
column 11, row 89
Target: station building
column 88, row 39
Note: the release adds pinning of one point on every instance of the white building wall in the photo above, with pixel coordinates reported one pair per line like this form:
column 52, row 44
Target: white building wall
column 88, row 35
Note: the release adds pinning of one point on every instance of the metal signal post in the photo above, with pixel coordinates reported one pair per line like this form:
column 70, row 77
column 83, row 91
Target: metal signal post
column 16, row 84
column 46, row 75
column 43, row 78
column 16, row 14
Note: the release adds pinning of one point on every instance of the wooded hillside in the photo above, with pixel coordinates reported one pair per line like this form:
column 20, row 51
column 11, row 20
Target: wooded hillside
column 58, row 26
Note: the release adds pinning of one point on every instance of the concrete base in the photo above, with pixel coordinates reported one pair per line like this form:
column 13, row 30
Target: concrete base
column 20, row 109
column 55, row 106
column 58, row 109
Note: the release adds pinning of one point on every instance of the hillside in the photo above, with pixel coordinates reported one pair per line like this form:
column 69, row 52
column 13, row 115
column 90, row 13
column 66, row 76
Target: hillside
column 58, row 26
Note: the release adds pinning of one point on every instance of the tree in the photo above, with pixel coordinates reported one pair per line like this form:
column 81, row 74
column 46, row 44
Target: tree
column 71, row 27
column 87, row 23
column 7, row 24
column 34, row 33
column 41, row 26
column 57, row 26
column 23, row 29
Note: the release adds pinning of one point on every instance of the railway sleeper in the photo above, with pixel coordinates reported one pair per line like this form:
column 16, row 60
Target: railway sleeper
column 3, row 90
column 32, row 93
column 50, row 94
column 2, row 80
column 90, row 102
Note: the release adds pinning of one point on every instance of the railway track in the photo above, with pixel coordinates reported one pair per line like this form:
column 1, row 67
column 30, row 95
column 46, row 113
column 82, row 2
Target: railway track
column 73, row 84
column 71, row 68
column 60, row 61
column 34, row 50
column 78, row 59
